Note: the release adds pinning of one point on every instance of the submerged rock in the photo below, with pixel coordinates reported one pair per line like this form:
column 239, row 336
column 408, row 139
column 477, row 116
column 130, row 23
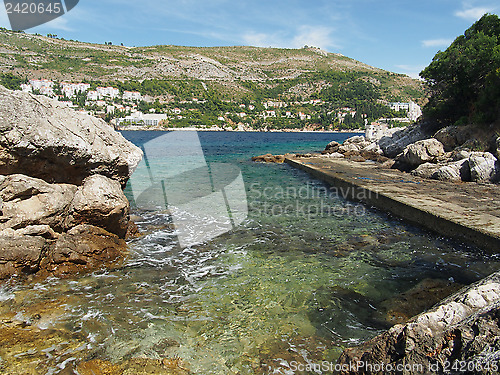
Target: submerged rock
column 463, row 327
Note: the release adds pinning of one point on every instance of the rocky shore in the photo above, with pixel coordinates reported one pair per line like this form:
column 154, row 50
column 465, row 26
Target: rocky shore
column 460, row 334
column 62, row 207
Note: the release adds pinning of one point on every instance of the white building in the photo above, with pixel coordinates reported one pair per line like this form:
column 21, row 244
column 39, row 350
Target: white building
column 414, row 111
column 38, row 84
column 70, row 89
column 139, row 118
column 132, row 95
column 107, row 92
column 92, row 95
column 375, row 131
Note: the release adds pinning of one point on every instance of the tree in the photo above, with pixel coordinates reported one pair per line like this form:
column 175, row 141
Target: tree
column 465, row 79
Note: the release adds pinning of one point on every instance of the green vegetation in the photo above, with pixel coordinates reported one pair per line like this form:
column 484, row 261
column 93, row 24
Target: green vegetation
column 11, row 81
column 465, row 79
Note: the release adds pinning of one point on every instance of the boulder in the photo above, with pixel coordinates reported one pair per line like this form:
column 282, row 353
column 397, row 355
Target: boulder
column 333, row 146
column 497, row 148
column 463, row 327
column 20, row 254
column 39, row 137
column 270, row 158
column 427, row 150
column 349, row 147
column 28, row 201
column 483, row 167
column 373, row 147
column 395, row 143
column 425, row 170
column 100, row 201
column 84, row 247
column 456, row 171
column 453, row 136
column 355, row 139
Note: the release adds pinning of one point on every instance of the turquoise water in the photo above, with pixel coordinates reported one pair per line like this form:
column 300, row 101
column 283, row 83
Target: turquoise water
column 305, row 274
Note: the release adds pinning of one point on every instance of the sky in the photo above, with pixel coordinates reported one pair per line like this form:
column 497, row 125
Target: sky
column 396, row 35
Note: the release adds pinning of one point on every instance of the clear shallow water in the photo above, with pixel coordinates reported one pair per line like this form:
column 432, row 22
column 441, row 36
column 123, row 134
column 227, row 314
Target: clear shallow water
column 306, row 274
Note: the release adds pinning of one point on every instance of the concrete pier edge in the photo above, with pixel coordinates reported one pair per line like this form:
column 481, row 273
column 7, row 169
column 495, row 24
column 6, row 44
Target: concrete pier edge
column 469, row 230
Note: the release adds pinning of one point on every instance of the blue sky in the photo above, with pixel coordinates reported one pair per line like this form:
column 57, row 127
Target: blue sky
column 397, row 35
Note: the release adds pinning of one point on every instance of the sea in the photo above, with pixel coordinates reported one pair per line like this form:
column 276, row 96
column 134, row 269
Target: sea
column 242, row 267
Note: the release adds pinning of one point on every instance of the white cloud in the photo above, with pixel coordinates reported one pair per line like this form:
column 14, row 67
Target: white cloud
column 473, row 14
column 317, row 36
column 60, row 23
column 436, row 42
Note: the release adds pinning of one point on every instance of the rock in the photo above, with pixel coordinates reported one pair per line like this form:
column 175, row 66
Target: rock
column 20, row 254
column 100, row 201
column 483, row 167
column 421, row 152
column 457, row 171
column 425, row 170
column 460, row 155
column 463, row 327
column 333, row 146
column 498, row 148
column 84, row 247
column 30, row 201
column 453, row 136
column 270, row 158
column 394, row 144
column 373, row 147
column 39, row 137
column 355, row 139
column 424, row 295
column 349, row 147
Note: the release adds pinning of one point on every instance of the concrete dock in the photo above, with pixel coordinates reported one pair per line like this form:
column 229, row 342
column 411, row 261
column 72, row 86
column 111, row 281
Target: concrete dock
column 468, row 212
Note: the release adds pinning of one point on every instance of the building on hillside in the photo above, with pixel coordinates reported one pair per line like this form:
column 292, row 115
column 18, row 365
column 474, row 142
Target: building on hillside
column 107, row 92
column 92, row 95
column 414, row 111
column 132, row 95
column 70, row 89
column 375, row 131
column 139, row 118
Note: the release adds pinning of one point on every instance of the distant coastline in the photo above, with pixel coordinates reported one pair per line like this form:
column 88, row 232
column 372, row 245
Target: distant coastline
column 145, row 128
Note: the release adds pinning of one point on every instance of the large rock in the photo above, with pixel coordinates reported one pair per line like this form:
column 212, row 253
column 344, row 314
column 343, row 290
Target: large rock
column 51, row 228
column 453, row 136
column 41, row 138
column 425, row 170
column 483, row 167
column 394, row 144
column 456, row 171
column 424, row 151
column 464, row 327
column 84, row 247
column 100, row 201
column 20, row 254
column 28, row 201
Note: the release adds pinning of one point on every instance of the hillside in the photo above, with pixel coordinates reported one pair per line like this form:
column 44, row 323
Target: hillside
column 37, row 56
column 217, row 75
